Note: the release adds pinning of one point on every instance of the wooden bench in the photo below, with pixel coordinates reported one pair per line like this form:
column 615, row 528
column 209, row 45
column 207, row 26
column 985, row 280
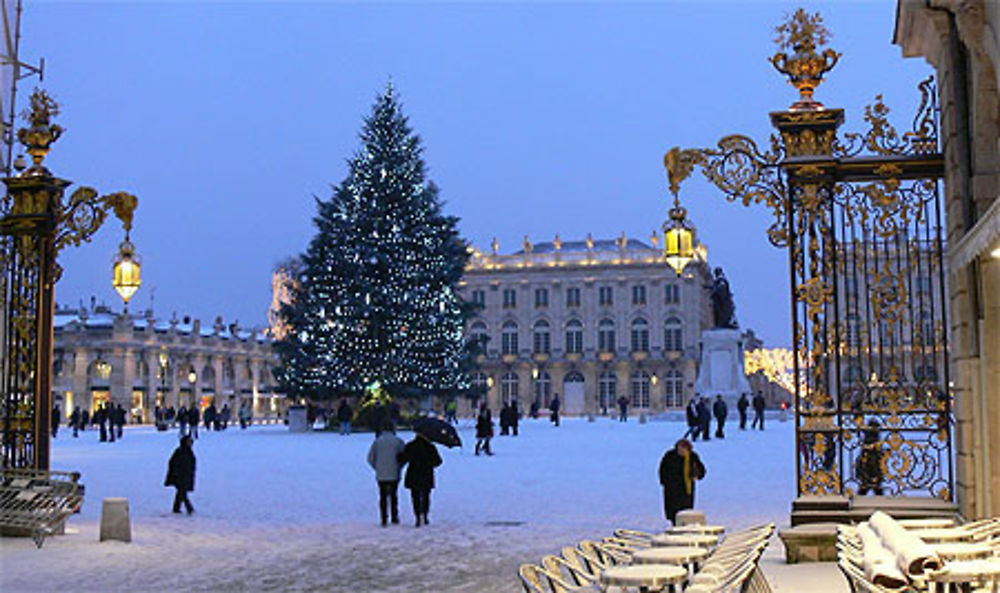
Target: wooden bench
column 36, row 503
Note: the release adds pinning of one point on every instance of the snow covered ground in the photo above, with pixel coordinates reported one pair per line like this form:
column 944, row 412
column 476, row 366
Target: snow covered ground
column 298, row 512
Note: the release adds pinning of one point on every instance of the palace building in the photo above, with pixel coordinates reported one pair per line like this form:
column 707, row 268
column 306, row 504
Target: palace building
column 589, row 320
column 142, row 362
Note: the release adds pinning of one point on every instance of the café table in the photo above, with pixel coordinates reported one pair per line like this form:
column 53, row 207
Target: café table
column 929, row 523
column 706, row 529
column 960, row 577
column 688, row 557
column 701, row 540
column 940, row 535
column 645, row 577
column 962, row 551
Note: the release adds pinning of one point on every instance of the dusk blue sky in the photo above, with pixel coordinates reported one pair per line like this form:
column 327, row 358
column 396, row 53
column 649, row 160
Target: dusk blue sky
column 226, row 119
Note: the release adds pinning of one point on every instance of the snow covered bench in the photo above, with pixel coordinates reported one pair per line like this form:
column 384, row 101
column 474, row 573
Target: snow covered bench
column 36, row 503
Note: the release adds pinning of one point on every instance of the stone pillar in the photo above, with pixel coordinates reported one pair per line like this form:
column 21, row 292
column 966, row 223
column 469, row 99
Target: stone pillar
column 81, row 391
column 152, row 382
column 989, row 369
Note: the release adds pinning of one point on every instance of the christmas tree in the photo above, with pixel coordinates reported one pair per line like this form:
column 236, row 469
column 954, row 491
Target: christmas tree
column 375, row 297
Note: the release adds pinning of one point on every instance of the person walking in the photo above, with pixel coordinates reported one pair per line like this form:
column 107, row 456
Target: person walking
column 383, row 456
column 515, row 416
column 344, row 415
column 720, row 410
column 182, row 420
column 758, row 411
column 56, row 418
column 692, row 420
column 421, row 457
column 484, row 430
column 554, row 408
column 623, row 409
column 120, row 420
column 180, row 474
column 194, row 418
column 225, row 414
column 680, row 468
column 101, row 417
column 74, row 421
column 245, row 416
column 451, row 412
column 742, row 406
column 704, row 419
column 504, row 420
column 84, row 420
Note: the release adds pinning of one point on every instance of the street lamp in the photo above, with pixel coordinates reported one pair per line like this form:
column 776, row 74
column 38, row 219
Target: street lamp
column 678, row 236
column 128, row 271
column 192, row 376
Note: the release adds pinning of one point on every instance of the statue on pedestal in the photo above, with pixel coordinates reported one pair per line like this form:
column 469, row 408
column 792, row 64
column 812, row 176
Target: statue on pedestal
column 723, row 309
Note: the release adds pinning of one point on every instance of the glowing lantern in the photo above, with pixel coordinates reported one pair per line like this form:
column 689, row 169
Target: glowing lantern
column 128, row 271
column 678, row 239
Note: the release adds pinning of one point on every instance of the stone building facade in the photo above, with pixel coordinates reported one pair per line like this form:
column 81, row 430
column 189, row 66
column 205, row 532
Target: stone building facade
column 142, row 362
column 961, row 40
column 590, row 321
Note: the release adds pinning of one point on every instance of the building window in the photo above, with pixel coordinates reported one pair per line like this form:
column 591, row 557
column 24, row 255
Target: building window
column 673, row 294
column 508, row 387
column 479, row 297
column 572, row 297
column 640, row 336
column 639, row 295
column 480, row 382
column 605, row 296
column 478, row 335
column 543, row 389
column 508, row 338
column 673, row 386
column 574, row 336
column 541, row 341
column 541, row 298
column 672, row 335
column 606, row 336
column 607, row 386
column 509, row 298
column 640, row 389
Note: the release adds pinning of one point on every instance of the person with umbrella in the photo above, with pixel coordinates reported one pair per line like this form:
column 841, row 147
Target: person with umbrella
column 420, row 457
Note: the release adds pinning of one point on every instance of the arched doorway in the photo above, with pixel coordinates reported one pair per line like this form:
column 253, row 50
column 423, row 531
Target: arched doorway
column 574, row 393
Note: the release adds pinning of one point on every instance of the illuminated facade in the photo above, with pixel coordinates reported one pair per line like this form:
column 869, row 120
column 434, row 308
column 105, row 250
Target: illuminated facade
column 589, row 320
column 141, row 362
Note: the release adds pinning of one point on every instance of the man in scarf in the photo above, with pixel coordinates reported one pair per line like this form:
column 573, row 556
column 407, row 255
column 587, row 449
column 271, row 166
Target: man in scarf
column 679, row 469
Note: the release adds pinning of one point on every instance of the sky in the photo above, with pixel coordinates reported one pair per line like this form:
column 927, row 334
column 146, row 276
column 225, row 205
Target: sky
column 229, row 119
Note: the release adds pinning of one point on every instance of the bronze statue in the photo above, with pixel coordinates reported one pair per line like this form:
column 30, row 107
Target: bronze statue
column 723, row 309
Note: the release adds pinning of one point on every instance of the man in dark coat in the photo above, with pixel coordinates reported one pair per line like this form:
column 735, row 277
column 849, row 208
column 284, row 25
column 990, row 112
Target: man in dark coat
column 758, row 411
column 421, row 457
column 56, row 417
column 344, row 415
column 84, row 420
column 120, row 420
column 101, row 417
column 484, row 430
column 180, row 474
column 720, row 411
column 623, row 409
column 182, row 420
column 194, row 418
column 554, row 407
column 515, row 416
column 75, row 421
column 704, row 419
column 504, row 420
column 679, row 469
column 694, row 426
column 742, row 406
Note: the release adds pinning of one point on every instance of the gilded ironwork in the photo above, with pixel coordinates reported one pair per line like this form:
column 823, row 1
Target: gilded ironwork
column 35, row 224
column 860, row 215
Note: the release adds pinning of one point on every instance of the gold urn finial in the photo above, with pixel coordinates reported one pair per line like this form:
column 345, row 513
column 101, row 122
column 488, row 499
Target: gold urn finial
column 803, row 33
column 39, row 137
column 495, row 245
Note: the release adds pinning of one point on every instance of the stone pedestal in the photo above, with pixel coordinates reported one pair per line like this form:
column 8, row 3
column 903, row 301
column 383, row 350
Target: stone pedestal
column 690, row 517
column 297, row 419
column 115, row 521
column 721, row 370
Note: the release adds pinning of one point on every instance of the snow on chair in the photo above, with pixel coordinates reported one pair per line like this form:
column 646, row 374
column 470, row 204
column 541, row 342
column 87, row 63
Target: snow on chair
column 37, row 502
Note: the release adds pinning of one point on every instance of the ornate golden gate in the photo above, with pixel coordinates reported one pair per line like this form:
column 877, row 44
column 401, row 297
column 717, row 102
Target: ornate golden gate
column 35, row 224
column 862, row 220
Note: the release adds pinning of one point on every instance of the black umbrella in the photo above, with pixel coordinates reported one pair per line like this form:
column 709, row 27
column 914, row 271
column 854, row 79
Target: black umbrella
column 437, row 431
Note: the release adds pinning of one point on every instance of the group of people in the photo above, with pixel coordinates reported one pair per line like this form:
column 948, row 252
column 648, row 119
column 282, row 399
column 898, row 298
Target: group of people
column 109, row 418
column 700, row 411
column 387, row 456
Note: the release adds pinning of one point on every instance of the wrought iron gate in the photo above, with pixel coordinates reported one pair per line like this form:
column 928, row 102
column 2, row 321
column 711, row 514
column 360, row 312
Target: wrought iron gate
column 862, row 220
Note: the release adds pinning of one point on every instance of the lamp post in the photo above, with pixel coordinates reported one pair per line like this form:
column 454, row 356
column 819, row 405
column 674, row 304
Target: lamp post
column 35, row 224
column 678, row 235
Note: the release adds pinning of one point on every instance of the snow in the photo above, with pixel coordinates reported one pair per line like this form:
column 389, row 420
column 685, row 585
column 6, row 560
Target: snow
column 277, row 511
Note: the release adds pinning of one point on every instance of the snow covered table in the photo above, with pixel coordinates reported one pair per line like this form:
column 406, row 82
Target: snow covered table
column 961, row 576
column 687, row 556
column 931, row 523
column 706, row 529
column 962, row 551
column 647, row 577
column 701, row 540
column 943, row 534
